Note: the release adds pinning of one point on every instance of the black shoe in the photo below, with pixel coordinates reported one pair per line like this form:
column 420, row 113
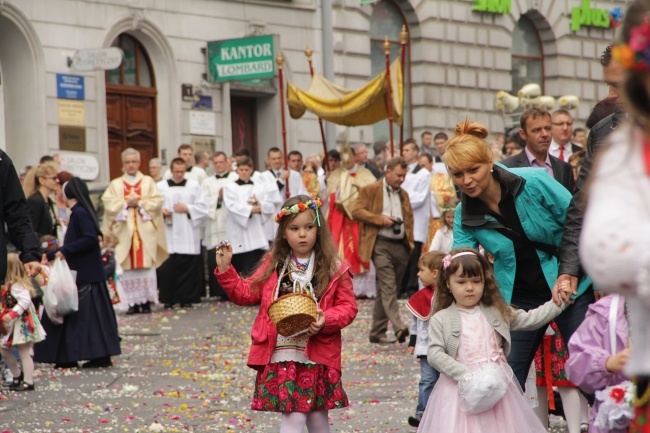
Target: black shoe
column 414, row 421
column 99, row 363
column 168, row 306
column 145, row 308
column 383, row 340
column 186, row 305
column 402, row 334
column 18, row 381
column 66, row 365
column 133, row 310
column 23, row 386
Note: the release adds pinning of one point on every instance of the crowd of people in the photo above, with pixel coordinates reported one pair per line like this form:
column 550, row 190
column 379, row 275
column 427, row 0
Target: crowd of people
column 512, row 288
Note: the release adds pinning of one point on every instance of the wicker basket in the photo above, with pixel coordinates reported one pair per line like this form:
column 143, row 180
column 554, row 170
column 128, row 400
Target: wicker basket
column 292, row 313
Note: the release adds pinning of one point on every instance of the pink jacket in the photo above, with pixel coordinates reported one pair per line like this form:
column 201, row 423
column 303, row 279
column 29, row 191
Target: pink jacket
column 589, row 348
column 337, row 302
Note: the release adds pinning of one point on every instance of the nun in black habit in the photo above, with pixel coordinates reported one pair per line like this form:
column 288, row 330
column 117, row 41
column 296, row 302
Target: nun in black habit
column 91, row 332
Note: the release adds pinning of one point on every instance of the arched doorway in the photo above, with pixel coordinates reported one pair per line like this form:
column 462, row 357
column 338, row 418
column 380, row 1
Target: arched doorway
column 131, row 105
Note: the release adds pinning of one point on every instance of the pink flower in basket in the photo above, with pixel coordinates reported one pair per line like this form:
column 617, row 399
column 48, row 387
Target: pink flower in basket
column 615, row 411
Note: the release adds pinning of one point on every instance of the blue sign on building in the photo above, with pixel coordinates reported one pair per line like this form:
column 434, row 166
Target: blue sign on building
column 70, row 87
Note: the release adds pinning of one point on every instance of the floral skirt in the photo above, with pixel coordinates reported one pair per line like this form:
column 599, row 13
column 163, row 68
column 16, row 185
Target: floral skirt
column 295, row 387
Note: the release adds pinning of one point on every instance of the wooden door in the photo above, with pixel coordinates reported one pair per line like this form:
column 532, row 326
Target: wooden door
column 131, row 119
column 244, row 126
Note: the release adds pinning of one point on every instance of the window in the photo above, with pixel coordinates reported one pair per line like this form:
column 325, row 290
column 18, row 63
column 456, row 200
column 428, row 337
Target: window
column 135, row 69
column 387, row 21
column 527, row 56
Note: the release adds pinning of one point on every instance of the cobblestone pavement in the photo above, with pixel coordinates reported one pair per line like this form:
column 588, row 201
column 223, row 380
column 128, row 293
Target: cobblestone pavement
column 185, row 371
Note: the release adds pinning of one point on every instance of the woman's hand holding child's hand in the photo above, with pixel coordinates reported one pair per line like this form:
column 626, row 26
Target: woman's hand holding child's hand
column 616, row 363
column 317, row 325
column 224, row 256
column 565, row 292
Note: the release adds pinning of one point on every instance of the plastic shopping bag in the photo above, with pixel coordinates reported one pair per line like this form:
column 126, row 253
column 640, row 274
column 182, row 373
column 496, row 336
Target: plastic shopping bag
column 63, row 287
column 50, row 304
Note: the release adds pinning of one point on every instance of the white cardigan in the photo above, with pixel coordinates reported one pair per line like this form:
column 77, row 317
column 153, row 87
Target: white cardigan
column 615, row 237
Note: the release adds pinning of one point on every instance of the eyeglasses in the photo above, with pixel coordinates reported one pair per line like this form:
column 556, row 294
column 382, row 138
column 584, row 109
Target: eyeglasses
column 562, row 123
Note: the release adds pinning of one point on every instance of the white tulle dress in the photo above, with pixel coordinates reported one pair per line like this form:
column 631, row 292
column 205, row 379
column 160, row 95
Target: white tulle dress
column 479, row 345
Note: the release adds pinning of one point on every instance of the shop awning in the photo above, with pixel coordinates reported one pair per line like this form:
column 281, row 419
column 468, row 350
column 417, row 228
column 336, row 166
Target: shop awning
column 363, row 106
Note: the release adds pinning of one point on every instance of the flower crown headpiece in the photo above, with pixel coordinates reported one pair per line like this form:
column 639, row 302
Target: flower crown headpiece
column 49, row 243
column 447, row 209
column 300, row 207
column 635, row 55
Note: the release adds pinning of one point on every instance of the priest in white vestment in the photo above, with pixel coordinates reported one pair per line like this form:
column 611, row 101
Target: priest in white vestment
column 248, row 204
column 133, row 213
column 184, row 208
column 215, row 223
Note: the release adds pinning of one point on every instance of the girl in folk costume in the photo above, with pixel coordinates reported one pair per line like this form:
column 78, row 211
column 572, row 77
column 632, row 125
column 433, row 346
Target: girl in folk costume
column 343, row 186
column 550, row 360
column 469, row 339
column 299, row 376
column 20, row 324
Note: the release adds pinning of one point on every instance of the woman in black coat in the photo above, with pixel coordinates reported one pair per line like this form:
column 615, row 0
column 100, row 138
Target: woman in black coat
column 91, row 332
column 39, row 184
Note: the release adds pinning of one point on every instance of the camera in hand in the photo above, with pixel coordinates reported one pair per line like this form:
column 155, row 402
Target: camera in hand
column 397, row 225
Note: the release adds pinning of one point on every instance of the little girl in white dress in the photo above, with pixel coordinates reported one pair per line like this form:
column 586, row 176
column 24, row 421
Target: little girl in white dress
column 469, row 339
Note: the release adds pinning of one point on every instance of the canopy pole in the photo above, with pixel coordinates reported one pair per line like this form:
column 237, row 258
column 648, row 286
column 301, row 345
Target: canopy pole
column 389, row 99
column 403, row 37
column 280, row 61
column 309, row 54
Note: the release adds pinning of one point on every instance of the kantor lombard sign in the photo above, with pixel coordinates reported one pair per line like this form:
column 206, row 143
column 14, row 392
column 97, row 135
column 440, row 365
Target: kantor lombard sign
column 241, row 59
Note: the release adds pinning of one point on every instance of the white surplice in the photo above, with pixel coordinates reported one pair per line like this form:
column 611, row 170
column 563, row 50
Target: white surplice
column 215, row 223
column 246, row 230
column 417, row 185
column 184, row 232
column 296, row 187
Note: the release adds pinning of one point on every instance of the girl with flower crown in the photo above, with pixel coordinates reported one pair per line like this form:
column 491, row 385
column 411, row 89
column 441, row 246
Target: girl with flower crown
column 469, row 339
column 615, row 237
column 300, row 375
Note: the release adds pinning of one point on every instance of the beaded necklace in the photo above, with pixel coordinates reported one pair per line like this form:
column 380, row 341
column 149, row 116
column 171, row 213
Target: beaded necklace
column 297, row 265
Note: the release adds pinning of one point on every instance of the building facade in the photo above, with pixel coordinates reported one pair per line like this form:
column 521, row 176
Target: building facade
column 459, row 54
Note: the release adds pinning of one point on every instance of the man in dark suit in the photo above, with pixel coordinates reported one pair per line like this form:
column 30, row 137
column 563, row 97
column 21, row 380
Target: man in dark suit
column 536, row 132
column 561, row 132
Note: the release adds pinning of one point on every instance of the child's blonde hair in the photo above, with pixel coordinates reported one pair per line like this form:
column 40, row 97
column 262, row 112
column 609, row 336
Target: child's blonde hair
column 16, row 273
column 472, row 265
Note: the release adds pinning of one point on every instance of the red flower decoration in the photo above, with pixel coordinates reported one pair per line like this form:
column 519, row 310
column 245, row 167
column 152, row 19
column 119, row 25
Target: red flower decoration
column 617, row 394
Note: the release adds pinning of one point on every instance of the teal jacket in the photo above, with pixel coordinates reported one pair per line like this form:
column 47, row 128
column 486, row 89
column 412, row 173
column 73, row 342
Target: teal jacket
column 541, row 204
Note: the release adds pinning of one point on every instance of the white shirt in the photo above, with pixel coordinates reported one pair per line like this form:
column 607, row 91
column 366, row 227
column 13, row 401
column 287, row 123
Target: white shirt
column 555, row 150
column 418, row 187
column 393, row 208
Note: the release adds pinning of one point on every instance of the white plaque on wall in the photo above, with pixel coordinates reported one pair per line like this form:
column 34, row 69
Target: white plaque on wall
column 203, row 122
